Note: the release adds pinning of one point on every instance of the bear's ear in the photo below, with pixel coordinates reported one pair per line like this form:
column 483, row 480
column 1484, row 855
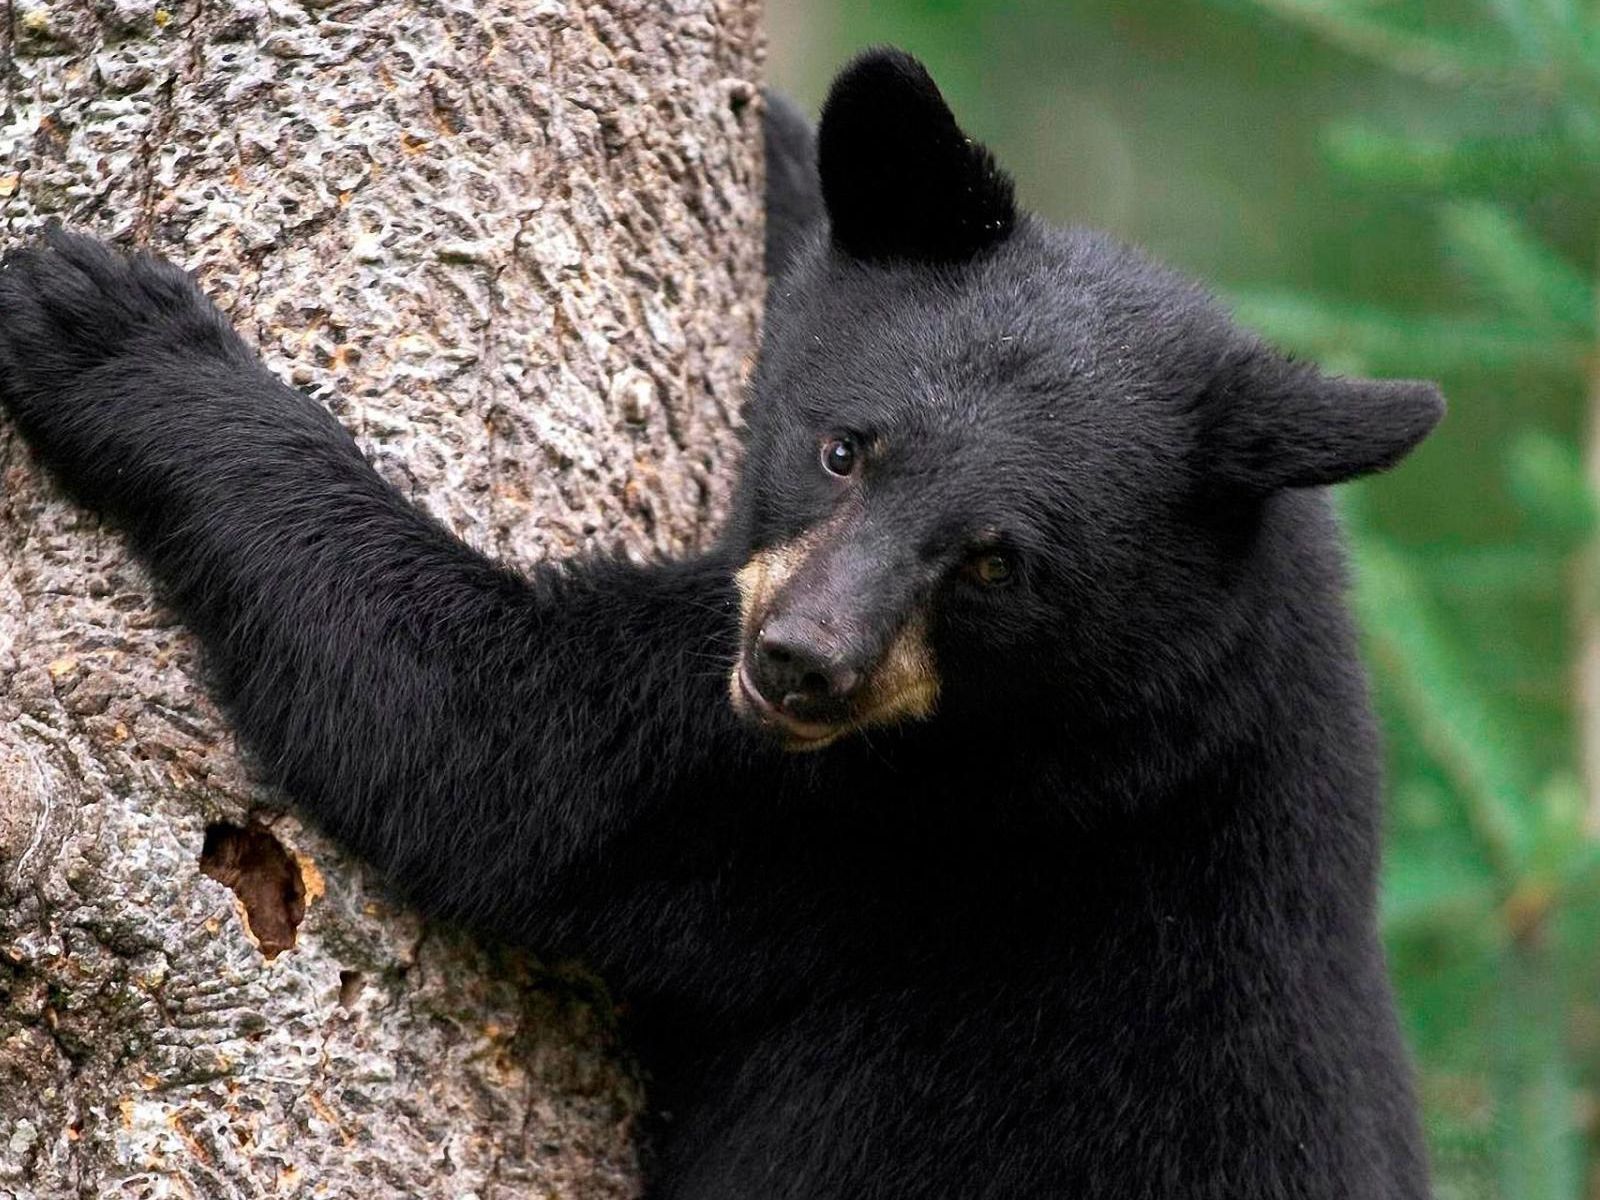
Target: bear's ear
column 1268, row 423
column 899, row 178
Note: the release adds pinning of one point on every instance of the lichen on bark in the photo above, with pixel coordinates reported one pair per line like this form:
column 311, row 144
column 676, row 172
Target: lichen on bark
column 514, row 244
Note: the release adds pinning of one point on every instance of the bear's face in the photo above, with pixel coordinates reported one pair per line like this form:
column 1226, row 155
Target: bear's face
column 989, row 458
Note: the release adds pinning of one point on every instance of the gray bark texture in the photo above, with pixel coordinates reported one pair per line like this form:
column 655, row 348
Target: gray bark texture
column 515, row 244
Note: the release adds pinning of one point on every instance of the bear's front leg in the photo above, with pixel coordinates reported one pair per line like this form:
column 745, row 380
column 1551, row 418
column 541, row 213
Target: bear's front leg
column 483, row 736
column 112, row 366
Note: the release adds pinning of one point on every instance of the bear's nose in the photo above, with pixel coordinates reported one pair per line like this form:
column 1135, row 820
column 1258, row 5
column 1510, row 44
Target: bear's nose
column 800, row 667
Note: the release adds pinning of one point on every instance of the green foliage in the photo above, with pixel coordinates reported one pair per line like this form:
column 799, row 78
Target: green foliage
column 1492, row 889
column 1356, row 338
column 1522, row 168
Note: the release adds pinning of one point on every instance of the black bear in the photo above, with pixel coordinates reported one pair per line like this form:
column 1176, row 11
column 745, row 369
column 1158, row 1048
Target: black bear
column 1024, row 843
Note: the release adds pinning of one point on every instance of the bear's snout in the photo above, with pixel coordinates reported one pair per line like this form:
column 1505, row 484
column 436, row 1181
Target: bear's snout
column 798, row 666
column 834, row 640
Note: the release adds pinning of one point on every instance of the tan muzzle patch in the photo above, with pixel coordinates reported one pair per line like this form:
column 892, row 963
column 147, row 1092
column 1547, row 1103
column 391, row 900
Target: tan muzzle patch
column 902, row 686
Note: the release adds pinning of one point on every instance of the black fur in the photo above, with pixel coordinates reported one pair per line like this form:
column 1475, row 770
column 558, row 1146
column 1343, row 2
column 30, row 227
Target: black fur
column 794, row 194
column 1101, row 928
column 900, row 179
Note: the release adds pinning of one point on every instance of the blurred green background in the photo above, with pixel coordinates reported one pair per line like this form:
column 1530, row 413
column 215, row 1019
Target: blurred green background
column 1406, row 189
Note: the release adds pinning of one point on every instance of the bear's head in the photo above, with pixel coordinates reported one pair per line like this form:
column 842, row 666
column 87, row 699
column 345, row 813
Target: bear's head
column 994, row 466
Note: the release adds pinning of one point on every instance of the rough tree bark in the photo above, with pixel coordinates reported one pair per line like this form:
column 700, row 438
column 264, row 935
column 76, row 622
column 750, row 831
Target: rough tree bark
column 516, row 245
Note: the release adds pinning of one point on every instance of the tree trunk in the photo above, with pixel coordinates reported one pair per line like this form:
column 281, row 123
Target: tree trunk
column 516, row 245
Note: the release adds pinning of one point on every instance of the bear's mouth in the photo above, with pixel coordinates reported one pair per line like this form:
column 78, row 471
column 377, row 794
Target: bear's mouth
column 797, row 734
column 892, row 677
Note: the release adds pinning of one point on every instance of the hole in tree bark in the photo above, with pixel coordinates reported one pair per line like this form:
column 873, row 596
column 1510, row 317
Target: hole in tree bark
column 350, row 985
column 264, row 876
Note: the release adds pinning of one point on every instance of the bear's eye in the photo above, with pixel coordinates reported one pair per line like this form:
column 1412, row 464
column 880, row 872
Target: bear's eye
column 992, row 568
column 839, row 456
